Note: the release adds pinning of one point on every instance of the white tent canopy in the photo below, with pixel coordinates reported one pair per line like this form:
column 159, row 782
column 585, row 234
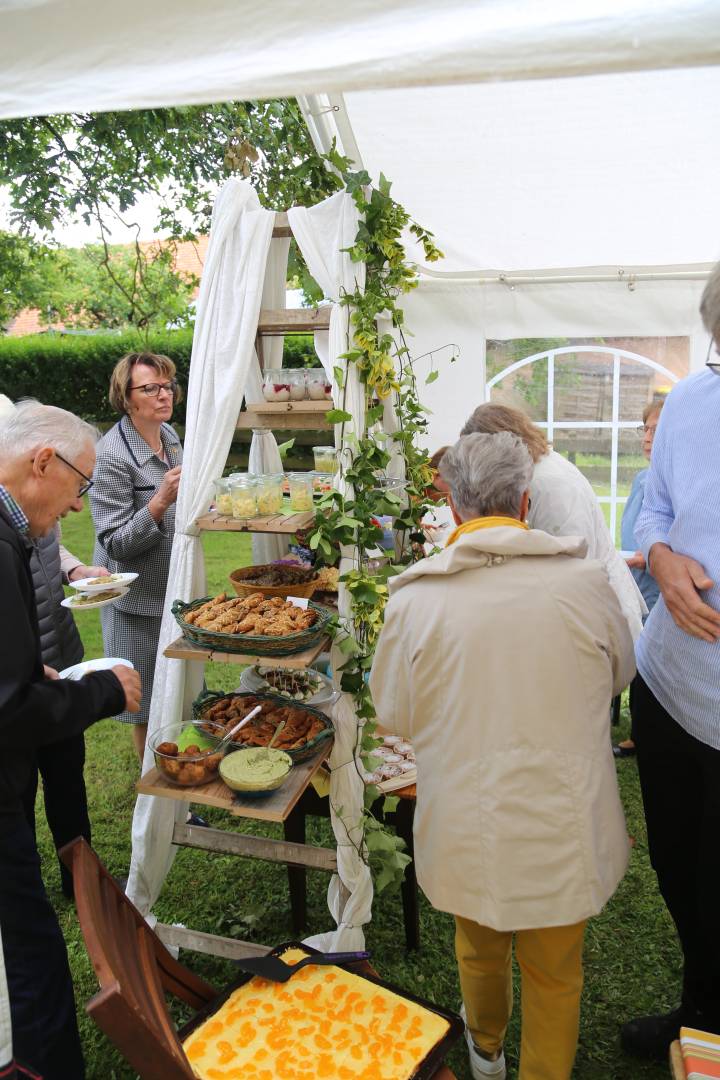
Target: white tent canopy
column 92, row 55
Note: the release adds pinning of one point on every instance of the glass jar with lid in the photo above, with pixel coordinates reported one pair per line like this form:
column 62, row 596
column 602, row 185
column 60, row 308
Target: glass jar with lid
column 325, row 459
column 243, row 497
column 301, row 491
column 223, row 498
column 276, row 385
column 269, row 493
column 318, row 385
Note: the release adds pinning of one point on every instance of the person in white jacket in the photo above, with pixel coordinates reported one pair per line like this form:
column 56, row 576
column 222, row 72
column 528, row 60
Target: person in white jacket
column 518, row 827
column 563, row 503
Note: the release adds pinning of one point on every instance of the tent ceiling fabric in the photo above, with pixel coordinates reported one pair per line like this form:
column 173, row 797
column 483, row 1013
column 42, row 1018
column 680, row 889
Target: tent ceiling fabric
column 595, row 171
column 93, row 55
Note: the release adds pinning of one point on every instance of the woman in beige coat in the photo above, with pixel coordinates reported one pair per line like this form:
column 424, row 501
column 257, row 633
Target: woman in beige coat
column 497, row 659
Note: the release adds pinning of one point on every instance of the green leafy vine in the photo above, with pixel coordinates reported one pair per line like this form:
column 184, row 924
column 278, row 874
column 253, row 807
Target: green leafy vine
column 378, row 348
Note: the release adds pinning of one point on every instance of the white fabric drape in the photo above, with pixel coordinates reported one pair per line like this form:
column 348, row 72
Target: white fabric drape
column 322, row 232
column 223, row 346
column 264, row 454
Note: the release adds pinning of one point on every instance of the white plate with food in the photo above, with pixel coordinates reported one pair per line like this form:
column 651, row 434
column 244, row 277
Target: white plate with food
column 309, row 687
column 102, row 584
column 88, row 601
column 102, row 663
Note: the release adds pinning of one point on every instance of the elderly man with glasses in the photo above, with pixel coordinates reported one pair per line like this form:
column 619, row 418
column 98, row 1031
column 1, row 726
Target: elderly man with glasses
column 519, row 830
column 676, row 696
column 46, row 459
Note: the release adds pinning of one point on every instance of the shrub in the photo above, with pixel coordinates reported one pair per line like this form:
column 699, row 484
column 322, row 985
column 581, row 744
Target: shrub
column 73, row 371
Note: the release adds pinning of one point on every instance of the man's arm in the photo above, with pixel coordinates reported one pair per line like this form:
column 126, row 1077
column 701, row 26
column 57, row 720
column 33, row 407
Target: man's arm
column 679, row 577
column 35, row 710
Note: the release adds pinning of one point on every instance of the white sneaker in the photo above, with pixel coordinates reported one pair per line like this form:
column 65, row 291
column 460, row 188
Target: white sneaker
column 480, row 1067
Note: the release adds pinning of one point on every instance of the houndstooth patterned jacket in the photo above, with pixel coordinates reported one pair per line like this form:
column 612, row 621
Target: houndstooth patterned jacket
column 127, row 475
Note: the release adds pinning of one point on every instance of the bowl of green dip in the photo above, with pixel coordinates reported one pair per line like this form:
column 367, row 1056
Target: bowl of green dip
column 255, row 771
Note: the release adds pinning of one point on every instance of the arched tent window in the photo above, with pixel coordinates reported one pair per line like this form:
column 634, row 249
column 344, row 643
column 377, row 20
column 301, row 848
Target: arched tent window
column 589, row 398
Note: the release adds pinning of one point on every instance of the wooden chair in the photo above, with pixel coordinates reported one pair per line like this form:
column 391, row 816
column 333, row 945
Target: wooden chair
column 135, row 972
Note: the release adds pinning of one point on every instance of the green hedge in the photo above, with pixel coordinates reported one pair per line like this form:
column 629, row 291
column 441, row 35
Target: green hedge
column 73, row 371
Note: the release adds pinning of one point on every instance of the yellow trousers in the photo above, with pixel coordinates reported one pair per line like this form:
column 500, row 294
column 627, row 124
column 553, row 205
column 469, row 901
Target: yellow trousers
column 550, row 962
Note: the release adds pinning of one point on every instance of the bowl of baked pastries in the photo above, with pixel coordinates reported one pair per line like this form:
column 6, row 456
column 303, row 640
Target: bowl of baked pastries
column 266, row 626
column 305, row 728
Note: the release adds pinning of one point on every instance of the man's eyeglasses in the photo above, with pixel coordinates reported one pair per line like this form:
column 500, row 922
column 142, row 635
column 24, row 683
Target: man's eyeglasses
column 152, row 389
column 88, row 482
column 714, row 365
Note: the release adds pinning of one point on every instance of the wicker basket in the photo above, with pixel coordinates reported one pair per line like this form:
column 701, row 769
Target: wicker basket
column 251, row 644
column 204, row 702
column 305, row 589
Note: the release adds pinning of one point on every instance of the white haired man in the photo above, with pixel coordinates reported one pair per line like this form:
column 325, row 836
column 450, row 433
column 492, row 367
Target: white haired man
column 519, row 829
column 46, row 460
column 675, row 701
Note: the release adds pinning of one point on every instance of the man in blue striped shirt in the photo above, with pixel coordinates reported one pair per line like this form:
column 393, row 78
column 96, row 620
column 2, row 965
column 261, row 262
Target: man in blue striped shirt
column 675, row 699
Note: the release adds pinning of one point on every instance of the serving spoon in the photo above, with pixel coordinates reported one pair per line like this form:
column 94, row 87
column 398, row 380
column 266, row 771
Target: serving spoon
column 234, row 730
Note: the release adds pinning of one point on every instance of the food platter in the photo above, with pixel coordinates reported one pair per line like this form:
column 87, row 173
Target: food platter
column 102, row 663
column 307, row 687
column 91, row 585
column 89, row 601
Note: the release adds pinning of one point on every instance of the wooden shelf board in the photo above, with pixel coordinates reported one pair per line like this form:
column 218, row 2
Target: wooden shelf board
column 294, row 320
column 274, row 523
column 274, row 807
column 285, row 415
column 182, row 649
column 273, row 408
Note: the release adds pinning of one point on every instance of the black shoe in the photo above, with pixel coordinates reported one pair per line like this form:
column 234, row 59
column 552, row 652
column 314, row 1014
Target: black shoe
column 649, row 1037
column 195, row 819
column 624, row 751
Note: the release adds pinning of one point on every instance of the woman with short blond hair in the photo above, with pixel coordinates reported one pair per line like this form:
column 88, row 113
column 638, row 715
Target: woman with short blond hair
column 133, row 507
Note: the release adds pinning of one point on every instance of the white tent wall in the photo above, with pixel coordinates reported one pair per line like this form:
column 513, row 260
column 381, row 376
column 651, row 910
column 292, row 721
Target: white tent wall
column 466, row 314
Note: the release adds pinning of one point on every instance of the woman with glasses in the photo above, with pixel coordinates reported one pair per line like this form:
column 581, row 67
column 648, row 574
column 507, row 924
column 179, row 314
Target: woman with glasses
column 133, row 507
column 646, row 583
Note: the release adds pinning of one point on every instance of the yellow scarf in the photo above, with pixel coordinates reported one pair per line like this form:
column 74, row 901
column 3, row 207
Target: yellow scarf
column 484, row 523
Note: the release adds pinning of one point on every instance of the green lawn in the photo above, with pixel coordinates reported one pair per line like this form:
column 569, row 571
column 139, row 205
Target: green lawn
column 632, row 961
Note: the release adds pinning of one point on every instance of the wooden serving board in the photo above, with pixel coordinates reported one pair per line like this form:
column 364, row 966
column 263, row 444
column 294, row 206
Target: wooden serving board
column 274, row 807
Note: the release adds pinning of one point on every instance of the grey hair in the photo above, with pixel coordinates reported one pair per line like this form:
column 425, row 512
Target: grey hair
column 710, row 304
column 32, row 426
column 487, row 474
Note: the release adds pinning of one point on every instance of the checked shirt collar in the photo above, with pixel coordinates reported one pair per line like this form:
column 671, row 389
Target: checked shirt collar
column 140, row 450
column 14, row 511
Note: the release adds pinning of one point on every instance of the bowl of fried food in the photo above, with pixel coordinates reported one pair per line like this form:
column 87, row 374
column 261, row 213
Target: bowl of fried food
column 305, row 727
column 197, row 763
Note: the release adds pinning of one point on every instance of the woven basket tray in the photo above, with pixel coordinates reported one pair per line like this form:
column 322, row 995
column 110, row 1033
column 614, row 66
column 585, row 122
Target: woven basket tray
column 300, row 589
column 204, row 702
column 252, row 644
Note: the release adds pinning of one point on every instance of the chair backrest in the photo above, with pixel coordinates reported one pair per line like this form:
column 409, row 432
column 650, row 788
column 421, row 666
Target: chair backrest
column 134, row 970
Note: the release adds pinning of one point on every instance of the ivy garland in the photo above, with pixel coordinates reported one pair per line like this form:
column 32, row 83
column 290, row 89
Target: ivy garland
column 385, row 366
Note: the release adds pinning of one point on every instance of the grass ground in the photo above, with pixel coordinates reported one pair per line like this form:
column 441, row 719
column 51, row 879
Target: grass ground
column 632, row 961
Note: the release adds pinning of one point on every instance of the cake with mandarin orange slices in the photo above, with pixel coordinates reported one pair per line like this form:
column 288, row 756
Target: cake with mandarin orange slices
column 323, row 1022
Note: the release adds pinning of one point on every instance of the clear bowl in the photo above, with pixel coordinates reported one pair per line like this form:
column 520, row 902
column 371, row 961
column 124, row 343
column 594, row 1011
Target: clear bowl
column 254, row 788
column 184, row 769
